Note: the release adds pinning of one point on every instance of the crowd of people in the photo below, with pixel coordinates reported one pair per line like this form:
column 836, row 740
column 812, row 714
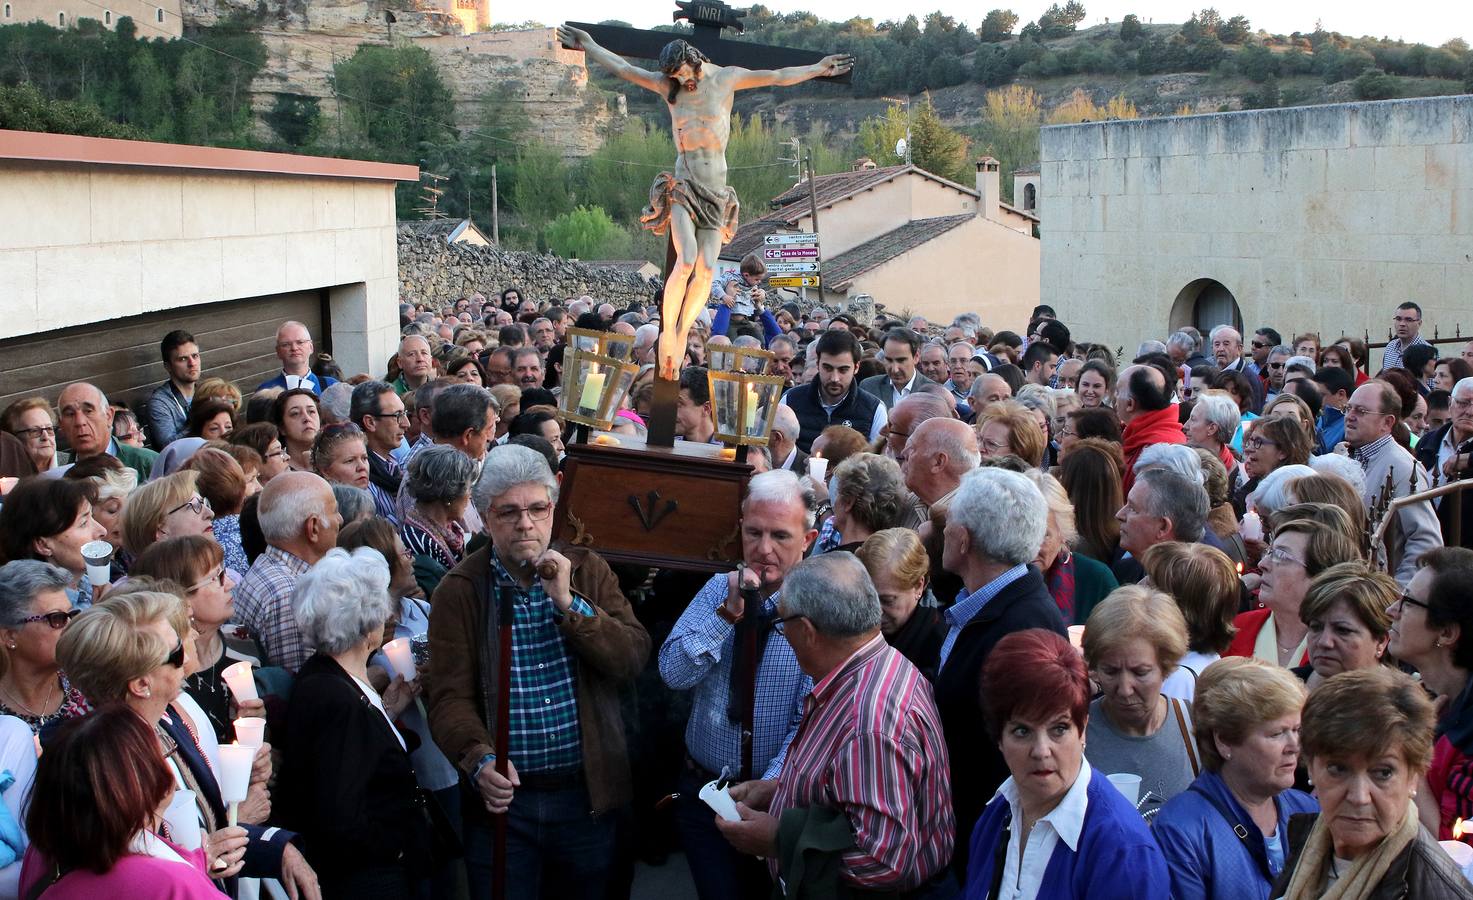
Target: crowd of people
column 1049, row 623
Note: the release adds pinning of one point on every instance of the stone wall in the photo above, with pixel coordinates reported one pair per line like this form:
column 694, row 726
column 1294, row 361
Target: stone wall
column 1307, row 219
column 432, row 271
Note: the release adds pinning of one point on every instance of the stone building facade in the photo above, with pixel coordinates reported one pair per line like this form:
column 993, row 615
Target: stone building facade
column 154, row 19
column 1316, row 219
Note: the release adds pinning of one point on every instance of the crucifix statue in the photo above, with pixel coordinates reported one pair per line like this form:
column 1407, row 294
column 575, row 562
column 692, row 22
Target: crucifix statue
column 693, row 204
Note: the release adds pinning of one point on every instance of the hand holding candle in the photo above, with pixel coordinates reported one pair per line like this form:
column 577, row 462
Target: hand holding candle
column 250, row 731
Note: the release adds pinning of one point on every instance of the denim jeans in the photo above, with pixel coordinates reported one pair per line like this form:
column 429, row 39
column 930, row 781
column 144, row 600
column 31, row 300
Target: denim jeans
column 719, row 871
column 555, row 848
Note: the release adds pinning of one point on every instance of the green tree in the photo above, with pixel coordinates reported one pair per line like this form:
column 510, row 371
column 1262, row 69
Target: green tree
column 538, row 189
column 998, row 25
column 879, row 134
column 1234, row 30
column 1009, row 129
column 1057, row 21
column 394, row 100
column 1374, row 84
column 153, row 110
column 586, row 232
column 24, row 108
column 295, row 119
column 1131, row 29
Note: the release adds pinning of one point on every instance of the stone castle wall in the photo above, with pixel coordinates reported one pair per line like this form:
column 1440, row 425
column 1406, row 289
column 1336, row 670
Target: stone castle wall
column 436, row 272
column 1313, row 218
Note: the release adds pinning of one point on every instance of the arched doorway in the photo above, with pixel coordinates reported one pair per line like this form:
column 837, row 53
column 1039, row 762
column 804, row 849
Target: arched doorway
column 1206, row 304
column 1030, row 197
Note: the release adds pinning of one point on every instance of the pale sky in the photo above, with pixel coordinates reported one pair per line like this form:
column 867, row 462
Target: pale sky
column 1428, row 21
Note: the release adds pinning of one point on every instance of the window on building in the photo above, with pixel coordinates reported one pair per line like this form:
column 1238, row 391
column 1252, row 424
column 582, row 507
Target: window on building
column 107, row 17
column 7, row 10
column 158, row 15
column 1030, row 196
column 61, row 20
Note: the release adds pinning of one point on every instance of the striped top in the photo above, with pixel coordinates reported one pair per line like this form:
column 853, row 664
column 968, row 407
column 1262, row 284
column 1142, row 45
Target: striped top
column 871, row 744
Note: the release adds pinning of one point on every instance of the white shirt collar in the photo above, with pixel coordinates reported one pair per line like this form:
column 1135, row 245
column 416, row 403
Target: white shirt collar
column 146, row 843
column 1066, row 819
column 301, row 380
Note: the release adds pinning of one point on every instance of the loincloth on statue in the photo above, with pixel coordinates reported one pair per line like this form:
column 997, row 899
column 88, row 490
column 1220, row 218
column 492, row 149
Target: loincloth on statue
column 710, row 210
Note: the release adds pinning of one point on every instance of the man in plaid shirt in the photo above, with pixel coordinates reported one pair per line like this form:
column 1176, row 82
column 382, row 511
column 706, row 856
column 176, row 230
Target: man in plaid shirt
column 300, row 521
column 574, row 644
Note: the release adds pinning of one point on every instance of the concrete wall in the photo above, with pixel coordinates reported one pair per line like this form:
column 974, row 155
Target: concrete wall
column 1315, row 218
column 980, row 266
column 84, row 242
column 889, row 205
column 160, row 19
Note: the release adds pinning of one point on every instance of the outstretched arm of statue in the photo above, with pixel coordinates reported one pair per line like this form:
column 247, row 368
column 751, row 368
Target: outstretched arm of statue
column 829, row 66
column 578, row 39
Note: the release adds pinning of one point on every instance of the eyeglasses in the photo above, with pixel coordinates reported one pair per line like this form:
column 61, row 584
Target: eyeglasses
column 781, row 625
column 1364, row 411
column 217, row 577
column 195, row 504
column 129, row 435
column 57, row 620
column 1280, row 555
column 1255, row 443
column 402, row 415
column 38, row 431
column 1406, row 598
column 1276, row 365
column 285, row 345
column 511, row 515
column 176, row 656
column 279, row 454
column 1261, row 345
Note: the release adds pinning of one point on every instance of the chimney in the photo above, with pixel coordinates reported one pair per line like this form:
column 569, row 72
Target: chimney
column 989, row 188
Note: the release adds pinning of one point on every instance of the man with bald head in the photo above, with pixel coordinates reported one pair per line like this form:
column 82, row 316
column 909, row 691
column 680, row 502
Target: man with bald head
column 86, row 423
column 989, row 388
column 416, row 364
column 294, row 349
column 1143, row 403
column 783, row 442
column 906, row 416
column 940, row 451
column 299, row 518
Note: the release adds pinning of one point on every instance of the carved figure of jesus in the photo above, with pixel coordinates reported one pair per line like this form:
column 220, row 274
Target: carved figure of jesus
column 694, row 204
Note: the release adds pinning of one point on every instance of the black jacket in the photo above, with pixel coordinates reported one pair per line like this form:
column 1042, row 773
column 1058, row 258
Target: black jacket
column 346, row 784
column 857, row 410
column 1427, row 449
column 977, row 767
column 1423, row 871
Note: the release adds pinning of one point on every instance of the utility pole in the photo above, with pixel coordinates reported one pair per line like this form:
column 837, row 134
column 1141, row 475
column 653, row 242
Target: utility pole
column 495, row 210
column 812, row 190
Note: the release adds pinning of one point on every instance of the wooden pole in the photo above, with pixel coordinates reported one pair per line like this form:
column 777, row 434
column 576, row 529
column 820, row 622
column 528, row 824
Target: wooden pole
column 812, row 189
column 495, row 210
column 503, row 593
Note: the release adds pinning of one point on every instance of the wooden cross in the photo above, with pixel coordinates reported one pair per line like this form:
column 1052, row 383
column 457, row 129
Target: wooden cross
column 708, row 19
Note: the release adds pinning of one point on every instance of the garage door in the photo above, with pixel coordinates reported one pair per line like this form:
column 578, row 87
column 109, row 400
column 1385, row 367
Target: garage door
column 237, row 340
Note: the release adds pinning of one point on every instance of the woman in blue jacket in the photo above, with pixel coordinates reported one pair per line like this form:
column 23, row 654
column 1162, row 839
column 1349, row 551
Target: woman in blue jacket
column 1056, row 830
column 1226, row 837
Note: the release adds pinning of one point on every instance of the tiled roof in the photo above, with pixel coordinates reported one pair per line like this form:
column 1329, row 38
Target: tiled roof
column 834, row 187
column 441, row 228
column 844, row 268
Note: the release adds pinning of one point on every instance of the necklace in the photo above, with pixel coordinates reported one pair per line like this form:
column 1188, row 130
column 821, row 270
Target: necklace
column 15, row 698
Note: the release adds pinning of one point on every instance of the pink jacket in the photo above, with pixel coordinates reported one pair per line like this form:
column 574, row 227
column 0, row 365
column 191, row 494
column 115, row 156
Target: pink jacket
column 136, row 877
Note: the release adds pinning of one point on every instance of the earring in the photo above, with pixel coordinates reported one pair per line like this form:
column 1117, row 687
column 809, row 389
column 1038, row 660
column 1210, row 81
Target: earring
column 148, row 692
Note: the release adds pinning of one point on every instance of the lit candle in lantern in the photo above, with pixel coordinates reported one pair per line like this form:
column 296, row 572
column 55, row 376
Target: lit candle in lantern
column 751, row 411
column 593, row 389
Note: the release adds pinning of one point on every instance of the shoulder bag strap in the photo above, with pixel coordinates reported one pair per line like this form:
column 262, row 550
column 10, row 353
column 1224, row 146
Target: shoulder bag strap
column 1186, row 734
column 1257, row 852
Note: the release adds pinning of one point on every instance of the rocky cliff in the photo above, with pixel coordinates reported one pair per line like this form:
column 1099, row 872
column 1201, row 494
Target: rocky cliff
column 304, row 38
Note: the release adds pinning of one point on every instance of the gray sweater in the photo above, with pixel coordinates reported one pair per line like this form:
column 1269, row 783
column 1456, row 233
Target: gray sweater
column 1161, row 759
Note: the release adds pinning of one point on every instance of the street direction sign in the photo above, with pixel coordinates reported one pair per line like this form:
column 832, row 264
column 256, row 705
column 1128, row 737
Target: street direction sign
column 806, row 237
column 791, row 252
column 798, row 281
column 791, row 268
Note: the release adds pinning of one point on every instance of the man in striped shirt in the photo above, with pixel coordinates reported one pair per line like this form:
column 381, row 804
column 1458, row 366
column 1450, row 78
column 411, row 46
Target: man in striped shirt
column 870, row 748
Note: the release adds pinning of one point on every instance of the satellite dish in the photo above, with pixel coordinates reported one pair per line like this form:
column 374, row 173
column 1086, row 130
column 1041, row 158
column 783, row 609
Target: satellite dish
column 900, row 148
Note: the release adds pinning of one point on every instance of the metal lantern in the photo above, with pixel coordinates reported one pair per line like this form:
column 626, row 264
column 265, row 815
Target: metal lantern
column 743, row 406
column 726, row 358
column 604, row 343
column 593, row 387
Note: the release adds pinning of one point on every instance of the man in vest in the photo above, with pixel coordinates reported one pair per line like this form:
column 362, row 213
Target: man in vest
column 833, row 397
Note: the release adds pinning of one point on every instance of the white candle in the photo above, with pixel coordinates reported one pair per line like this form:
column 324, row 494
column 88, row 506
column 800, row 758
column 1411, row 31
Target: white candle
column 593, row 390
column 1461, row 853
column 236, row 761
column 818, row 467
column 1076, row 636
column 751, row 412
column 242, row 684
column 401, row 655
column 250, row 731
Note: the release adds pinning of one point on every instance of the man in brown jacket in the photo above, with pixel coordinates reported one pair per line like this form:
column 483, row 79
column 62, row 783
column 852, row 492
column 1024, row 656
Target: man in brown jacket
column 575, row 641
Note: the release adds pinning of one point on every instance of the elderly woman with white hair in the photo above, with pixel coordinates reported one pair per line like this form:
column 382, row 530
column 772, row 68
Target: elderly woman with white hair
column 869, row 496
column 1211, row 426
column 1076, row 582
column 347, row 785
column 34, row 610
